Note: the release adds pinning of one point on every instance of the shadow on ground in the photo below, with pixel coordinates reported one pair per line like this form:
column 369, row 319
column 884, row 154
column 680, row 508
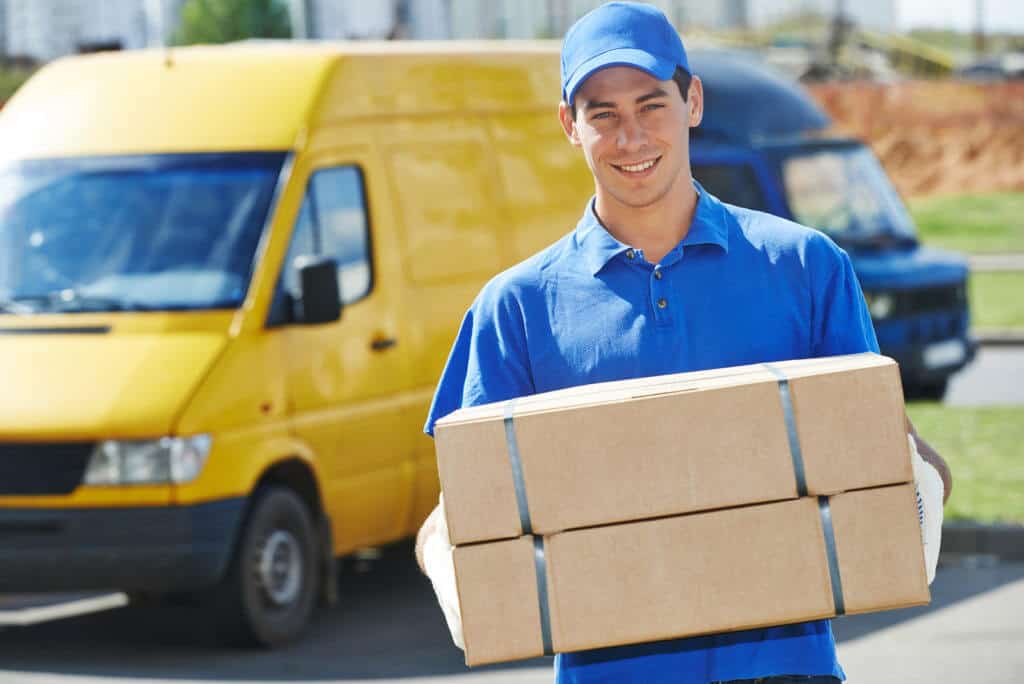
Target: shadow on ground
column 956, row 581
column 386, row 626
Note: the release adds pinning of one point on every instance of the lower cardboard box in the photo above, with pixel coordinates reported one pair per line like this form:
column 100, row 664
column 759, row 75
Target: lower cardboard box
column 688, row 575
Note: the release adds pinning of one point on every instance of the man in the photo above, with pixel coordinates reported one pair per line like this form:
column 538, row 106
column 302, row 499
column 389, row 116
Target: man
column 658, row 277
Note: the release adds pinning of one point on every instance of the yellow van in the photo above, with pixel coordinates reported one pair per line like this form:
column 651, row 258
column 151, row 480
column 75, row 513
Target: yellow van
column 229, row 279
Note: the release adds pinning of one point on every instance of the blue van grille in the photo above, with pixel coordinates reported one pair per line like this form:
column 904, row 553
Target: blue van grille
column 929, row 299
column 28, row 469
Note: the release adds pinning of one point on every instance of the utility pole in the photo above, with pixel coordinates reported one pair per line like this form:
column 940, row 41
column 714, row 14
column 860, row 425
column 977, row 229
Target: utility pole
column 841, row 25
column 980, row 46
column 300, row 14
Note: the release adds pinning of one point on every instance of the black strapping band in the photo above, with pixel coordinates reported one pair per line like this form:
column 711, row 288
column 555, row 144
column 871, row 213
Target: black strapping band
column 833, row 558
column 517, row 469
column 540, row 565
column 794, row 439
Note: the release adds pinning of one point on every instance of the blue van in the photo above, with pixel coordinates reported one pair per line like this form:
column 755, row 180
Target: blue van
column 763, row 145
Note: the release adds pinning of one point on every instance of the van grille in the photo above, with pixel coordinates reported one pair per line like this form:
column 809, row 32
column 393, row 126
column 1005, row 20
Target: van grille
column 28, row 469
column 928, row 299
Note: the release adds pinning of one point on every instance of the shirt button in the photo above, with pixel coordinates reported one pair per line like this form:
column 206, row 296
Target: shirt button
column 630, row 254
column 657, row 275
column 662, row 303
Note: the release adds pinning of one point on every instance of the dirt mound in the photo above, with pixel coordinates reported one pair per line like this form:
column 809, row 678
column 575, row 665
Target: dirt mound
column 936, row 137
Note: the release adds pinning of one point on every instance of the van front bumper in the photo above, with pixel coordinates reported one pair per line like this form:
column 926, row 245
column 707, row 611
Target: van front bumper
column 166, row 548
column 916, row 366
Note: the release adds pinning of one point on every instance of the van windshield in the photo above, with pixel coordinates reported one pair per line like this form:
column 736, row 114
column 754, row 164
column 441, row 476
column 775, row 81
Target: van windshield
column 145, row 232
column 844, row 192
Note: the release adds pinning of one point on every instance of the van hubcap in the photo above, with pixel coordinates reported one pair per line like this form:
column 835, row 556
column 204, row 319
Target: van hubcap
column 280, row 567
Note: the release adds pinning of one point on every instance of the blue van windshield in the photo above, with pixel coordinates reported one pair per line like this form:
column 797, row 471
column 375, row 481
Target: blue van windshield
column 844, row 192
column 146, row 232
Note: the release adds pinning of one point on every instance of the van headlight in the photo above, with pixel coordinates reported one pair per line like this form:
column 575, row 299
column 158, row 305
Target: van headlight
column 155, row 461
column 880, row 304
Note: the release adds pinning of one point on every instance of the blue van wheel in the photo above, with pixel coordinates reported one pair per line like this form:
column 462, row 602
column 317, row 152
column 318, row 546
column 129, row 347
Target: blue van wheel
column 934, row 390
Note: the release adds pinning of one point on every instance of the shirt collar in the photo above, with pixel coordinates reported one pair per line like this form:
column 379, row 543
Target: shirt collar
column 710, row 226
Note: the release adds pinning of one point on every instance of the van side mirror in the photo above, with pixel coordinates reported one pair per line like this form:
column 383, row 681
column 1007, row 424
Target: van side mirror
column 320, row 301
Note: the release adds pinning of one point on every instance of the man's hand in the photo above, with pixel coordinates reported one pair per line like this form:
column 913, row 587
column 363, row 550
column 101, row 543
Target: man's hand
column 932, row 457
column 434, row 555
column 429, row 528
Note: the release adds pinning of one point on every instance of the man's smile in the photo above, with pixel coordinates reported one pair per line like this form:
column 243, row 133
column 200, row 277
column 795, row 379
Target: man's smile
column 639, row 168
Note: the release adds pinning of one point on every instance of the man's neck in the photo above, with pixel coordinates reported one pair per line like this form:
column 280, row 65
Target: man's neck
column 657, row 228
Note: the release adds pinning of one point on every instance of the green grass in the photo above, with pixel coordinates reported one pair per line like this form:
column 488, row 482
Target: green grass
column 978, row 224
column 997, row 299
column 11, row 80
column 985, row 451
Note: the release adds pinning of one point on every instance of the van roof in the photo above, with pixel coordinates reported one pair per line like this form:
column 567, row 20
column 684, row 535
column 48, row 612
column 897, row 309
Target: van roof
column 259, row 95
column 748, row 102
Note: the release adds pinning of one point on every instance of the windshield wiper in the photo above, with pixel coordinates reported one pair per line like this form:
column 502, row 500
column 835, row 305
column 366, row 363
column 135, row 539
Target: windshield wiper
column 19, row 304
column 74, row 301
column 68, row 300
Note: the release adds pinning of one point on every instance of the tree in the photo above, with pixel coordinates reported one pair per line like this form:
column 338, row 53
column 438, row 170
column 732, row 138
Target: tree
column 223, row 21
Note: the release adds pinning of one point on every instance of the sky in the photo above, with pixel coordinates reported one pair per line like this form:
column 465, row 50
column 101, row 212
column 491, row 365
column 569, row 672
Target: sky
column 999, row 15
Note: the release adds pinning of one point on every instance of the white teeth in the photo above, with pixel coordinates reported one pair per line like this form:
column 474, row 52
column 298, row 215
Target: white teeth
column 642, row 166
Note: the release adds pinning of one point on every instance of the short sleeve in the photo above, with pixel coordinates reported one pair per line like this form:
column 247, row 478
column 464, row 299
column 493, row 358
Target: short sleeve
column 489, row 361
column 841, row 322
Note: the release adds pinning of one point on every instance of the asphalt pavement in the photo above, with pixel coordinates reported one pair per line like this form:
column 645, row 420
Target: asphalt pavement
column 387, row 628
column 996, row 376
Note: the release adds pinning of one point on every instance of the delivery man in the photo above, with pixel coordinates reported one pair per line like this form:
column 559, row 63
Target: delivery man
column 658, row 277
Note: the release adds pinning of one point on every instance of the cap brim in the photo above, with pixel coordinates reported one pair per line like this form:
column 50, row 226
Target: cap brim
column 661, row 69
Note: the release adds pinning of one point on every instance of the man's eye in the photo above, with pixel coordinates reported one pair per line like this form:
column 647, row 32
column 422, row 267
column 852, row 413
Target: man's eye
column 601, row 115
column 652, row 106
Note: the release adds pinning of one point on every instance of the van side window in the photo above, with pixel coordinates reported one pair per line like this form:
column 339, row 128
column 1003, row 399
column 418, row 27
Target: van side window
column 732, row 183
column 332, row 222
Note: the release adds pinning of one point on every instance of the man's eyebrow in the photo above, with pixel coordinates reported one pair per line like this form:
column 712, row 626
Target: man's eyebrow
column 657, row 92
column 597, row 104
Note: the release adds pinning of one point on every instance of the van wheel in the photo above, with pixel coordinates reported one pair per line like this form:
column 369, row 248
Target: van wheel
column 269, row 593
column 934, row 391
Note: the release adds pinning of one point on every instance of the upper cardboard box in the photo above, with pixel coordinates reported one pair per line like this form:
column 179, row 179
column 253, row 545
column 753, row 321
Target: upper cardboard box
column 651, row 447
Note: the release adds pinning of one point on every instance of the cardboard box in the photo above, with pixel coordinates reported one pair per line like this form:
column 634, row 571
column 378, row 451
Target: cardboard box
column 694, row 574
column 652, row 447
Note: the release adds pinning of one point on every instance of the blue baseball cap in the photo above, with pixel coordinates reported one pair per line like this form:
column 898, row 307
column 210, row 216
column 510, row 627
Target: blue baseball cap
column 620, row 34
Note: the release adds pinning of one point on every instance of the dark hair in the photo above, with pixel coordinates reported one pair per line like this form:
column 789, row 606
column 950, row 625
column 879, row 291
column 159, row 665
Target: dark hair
column 681, row 76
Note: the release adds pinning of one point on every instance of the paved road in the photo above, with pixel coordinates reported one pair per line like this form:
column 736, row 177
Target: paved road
column 975, row 637
column 388, row 629
column 996, row 376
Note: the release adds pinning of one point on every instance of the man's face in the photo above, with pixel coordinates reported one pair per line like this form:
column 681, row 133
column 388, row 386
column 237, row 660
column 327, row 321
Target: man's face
column 633, row 130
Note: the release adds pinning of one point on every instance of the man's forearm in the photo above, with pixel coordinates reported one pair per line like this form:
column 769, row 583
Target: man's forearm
column 931, row 456
column 428, row 528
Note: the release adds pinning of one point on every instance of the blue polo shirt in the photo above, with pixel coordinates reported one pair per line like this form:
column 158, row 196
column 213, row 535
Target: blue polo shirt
column 742, row 287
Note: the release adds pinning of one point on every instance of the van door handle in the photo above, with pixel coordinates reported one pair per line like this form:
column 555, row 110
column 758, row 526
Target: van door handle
column 382, row 343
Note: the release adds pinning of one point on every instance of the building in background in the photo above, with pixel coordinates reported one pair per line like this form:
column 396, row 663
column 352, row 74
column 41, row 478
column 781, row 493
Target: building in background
column 42, row 30
column 876, row 15
column 550, row 18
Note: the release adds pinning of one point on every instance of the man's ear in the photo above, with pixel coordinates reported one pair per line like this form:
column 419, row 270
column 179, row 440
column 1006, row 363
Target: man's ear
column 568, row 123
column 695, row 100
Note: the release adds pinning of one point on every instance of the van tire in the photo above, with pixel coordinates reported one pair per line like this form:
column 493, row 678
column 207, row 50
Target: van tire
column 926, row 391
column 269, row 594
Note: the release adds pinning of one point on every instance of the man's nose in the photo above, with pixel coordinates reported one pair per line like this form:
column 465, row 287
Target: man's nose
column 632, row 135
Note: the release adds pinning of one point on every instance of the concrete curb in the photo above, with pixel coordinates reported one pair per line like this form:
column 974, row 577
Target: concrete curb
column 1000, row 338
column 1003, row 541
column 996, row 262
